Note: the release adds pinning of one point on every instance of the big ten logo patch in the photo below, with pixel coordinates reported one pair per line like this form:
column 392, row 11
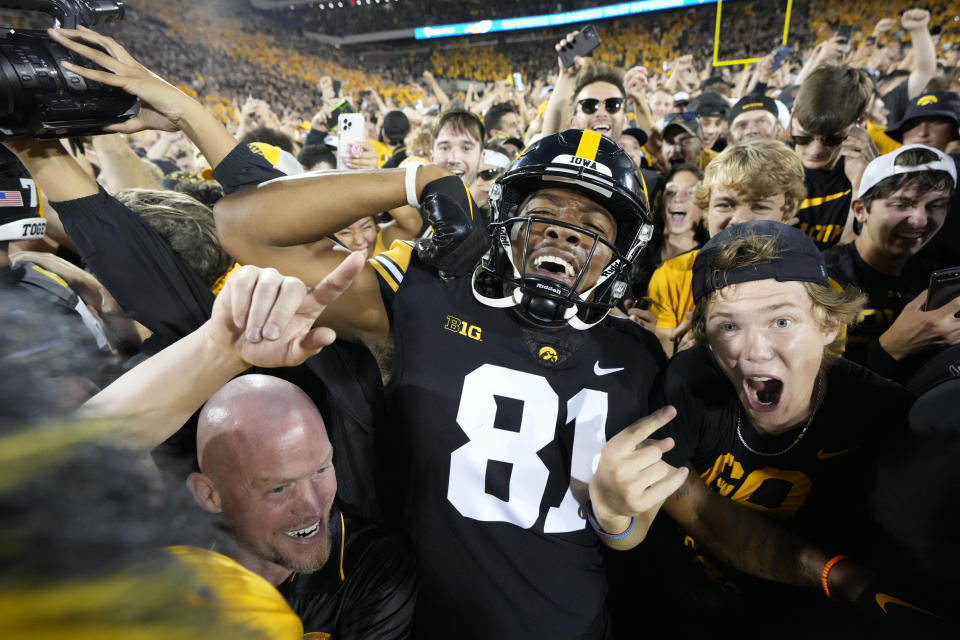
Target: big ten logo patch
column 547, row 354
column 456, row 325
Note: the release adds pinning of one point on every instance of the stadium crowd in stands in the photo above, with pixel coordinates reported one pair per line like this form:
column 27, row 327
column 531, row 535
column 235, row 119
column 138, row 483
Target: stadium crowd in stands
column 457, row 339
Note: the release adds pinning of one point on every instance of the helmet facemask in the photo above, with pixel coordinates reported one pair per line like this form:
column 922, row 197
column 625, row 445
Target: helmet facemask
column 502, row 279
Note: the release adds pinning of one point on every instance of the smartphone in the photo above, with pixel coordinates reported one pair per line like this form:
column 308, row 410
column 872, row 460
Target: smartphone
column 845, row 32
column 338, row 110
column 586, row 41
column 351, row 130
column 336, row 87
column 518, row 81
column 944, row 287
column 256, row 94
column 782, row 52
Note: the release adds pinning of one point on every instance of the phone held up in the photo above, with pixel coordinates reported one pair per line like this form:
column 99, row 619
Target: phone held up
column 351, row 132
column 586, row 41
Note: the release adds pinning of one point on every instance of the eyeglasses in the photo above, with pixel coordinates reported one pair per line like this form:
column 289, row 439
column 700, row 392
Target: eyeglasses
column 590, row 105
column 827, row 141
column 489, row 174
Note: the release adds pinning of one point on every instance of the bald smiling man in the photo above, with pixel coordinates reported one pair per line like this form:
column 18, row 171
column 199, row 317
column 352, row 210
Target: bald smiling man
column 266, row 462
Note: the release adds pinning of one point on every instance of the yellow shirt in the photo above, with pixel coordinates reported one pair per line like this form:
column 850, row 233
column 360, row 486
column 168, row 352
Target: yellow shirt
column 671, row 290
column 885, row 144
column 705, row 158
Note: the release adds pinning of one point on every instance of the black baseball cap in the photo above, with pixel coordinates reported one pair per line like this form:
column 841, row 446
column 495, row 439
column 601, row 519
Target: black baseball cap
column 933, row 104
column 797, row 259
column 753, row 103
column 709, row 105
column 639, row 134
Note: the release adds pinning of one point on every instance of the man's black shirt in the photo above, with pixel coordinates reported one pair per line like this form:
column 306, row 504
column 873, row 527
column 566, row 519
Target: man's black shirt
column 886, row 297
column 823, row 214
column 366, row 590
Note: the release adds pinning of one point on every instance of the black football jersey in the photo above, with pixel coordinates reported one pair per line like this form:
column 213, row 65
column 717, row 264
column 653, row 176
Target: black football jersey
column 824, row 212
column 498, row 429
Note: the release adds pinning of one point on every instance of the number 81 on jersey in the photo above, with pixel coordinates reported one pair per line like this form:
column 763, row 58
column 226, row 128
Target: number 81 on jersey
column 466, row 489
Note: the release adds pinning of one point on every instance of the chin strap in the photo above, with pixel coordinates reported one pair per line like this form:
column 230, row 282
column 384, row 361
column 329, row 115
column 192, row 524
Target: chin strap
column 515, row 298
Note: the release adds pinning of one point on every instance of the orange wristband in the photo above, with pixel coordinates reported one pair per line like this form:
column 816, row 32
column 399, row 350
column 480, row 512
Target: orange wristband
column 826, row 572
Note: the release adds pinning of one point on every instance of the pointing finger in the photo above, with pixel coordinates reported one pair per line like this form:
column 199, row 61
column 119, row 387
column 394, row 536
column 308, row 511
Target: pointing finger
column 646, row 427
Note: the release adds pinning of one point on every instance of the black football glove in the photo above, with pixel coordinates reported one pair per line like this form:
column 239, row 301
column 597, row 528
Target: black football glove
column 460, row 236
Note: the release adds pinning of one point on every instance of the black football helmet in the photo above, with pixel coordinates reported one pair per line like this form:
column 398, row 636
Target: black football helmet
column 590, row 164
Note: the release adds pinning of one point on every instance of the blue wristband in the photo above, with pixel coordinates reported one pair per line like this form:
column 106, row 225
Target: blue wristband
column 592, row 519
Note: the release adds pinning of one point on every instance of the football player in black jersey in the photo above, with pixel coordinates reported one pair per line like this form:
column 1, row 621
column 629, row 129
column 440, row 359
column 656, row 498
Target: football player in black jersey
column 506, row 383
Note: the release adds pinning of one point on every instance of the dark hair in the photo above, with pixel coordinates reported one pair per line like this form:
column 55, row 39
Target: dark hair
column 313, row 154
column 207, row 192
column 495, row 113
column 924, row 181
column 599, row 73
column 649, row 258
column 269, row 136
column 45, row 353
column 832, row 98
column 186, row 225
column 462, row 121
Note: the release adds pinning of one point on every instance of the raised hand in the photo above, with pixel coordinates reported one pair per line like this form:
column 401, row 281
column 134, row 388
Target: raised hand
column 267, row 319
column 162, row 105
column 915, row 20
column 631, row 477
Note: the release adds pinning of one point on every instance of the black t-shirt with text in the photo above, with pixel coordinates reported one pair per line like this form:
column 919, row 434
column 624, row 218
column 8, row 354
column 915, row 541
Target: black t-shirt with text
column 823, row 214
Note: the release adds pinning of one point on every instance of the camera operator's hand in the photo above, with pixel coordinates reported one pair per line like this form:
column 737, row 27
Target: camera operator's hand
column 162, row 105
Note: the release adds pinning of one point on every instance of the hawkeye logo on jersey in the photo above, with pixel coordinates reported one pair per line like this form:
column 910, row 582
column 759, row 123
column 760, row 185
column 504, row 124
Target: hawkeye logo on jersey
column 456, row 325
column 548, row 354
column 577, row 161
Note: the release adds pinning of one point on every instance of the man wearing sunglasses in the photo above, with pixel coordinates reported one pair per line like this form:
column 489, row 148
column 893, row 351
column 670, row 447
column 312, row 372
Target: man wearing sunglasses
column 828, row 134
column 596, row 94
column 683, row 141
column 599, row 102
column 494, row 161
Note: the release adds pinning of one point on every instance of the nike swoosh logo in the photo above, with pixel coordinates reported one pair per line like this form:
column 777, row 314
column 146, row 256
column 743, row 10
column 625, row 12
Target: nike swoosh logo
column 884, row 599
column 825, row 455
column 602, row 372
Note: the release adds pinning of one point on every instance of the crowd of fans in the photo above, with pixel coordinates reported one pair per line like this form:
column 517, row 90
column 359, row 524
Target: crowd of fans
column 431, row 334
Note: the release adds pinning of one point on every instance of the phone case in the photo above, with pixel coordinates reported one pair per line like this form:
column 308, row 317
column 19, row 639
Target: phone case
column 350, row 131
column 586, row 41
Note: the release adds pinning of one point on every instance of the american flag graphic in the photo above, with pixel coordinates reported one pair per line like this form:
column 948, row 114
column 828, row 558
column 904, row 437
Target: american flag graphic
column 11, row 199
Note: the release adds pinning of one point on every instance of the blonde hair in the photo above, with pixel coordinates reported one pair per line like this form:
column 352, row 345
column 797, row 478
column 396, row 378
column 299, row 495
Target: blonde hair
column 757, row 169
column 833, row 306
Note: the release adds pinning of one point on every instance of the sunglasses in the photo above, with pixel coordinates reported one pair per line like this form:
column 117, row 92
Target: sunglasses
column 489, row 174
column 590, row 105
column 827, row 141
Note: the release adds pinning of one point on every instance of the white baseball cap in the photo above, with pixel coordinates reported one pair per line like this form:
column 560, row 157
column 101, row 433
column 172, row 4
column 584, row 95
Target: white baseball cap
column 884, row 166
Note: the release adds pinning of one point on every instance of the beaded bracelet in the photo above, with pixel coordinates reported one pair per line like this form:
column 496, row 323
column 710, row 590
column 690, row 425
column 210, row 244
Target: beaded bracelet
column 592, row 519
column 826, row 572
